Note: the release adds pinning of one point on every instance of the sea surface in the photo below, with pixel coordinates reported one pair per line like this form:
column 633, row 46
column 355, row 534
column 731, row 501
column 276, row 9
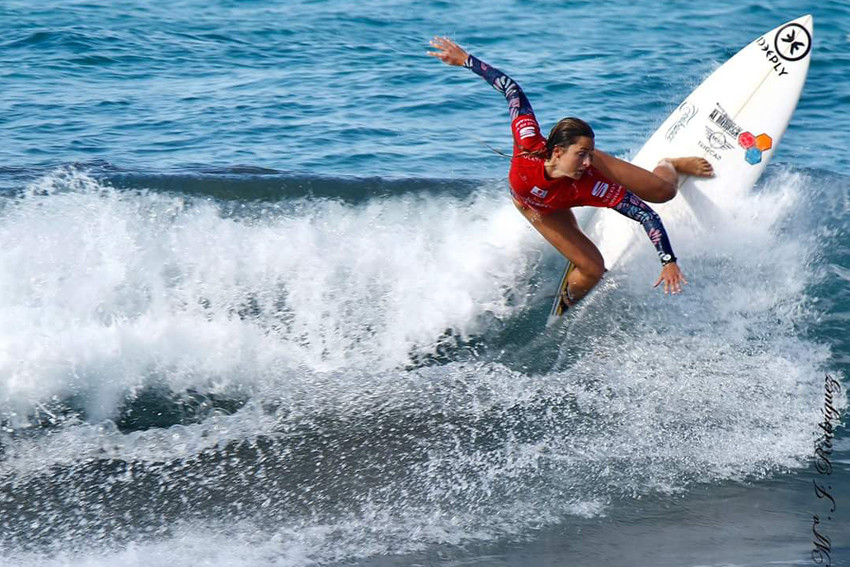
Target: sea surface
column 264, row 300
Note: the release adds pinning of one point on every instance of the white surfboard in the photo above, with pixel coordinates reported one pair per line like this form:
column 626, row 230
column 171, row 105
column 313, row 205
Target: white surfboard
column 734, row 119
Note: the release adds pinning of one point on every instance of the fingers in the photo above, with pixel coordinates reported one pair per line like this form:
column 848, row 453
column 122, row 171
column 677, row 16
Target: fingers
column 443, row 42
column 447, row 51
column 674, row 287
column 672, row 282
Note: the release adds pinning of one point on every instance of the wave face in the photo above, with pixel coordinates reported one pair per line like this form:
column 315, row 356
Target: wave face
column 368, row 371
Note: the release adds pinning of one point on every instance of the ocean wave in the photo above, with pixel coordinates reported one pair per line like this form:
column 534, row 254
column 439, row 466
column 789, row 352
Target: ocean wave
column 182, row 364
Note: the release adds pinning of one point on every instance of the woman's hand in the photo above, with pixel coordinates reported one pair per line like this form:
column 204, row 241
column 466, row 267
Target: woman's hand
column 448, row 51
column 672, row 277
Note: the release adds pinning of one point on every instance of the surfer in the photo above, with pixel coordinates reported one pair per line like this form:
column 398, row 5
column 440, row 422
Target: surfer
column 549, row 176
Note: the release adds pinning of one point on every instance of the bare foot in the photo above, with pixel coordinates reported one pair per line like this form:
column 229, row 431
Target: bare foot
column 695, row 166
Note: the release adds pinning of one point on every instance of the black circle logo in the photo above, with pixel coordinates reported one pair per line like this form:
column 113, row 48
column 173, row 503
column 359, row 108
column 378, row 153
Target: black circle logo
column 793, row 42
column 717, row 140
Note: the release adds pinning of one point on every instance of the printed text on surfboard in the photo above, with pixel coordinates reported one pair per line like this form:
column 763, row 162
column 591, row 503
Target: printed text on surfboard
column 772, row 56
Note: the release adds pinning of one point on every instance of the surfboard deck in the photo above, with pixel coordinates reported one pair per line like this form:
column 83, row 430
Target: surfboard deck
column 735, row 119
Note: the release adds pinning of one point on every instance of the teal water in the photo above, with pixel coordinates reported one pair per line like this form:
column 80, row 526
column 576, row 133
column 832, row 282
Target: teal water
column 335, row 88
column 264, row 301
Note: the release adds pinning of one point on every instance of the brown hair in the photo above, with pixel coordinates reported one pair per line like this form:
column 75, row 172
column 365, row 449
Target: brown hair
column 566, row 132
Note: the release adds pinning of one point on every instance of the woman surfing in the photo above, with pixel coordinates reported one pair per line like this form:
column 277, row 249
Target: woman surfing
column 549, row 176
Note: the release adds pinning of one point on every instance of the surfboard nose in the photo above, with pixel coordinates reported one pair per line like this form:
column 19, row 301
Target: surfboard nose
column 792, row 41
column 807, row 21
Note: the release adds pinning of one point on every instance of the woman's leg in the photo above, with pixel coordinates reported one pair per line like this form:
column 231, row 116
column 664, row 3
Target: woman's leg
column 657, row 186
column 561, row 229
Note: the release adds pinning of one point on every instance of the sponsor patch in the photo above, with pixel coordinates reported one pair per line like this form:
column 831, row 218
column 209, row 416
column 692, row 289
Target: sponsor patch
column 538, row 192
column 600, row 189
column 527, row 132
column 526, row 128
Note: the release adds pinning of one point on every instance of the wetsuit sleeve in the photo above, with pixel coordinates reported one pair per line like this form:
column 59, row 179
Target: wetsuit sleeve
column 636, row 209
column 524, row 126
column 517, row 101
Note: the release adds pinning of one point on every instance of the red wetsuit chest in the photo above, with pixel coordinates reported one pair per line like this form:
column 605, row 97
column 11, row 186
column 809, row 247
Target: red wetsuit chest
column 531, row 187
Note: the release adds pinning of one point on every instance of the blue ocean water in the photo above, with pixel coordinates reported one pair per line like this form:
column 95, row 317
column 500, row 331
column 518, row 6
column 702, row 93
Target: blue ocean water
column 264, row 299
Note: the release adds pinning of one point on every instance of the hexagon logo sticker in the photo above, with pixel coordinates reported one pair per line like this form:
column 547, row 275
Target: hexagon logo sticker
column 764, row 142
column 753, row 156
column 746, row 140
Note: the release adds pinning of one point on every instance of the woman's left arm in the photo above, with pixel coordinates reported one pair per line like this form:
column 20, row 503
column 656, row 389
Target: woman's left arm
column 636, row 209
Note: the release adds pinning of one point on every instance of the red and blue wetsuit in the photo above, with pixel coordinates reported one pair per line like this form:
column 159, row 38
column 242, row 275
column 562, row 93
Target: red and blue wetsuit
column 532, row 189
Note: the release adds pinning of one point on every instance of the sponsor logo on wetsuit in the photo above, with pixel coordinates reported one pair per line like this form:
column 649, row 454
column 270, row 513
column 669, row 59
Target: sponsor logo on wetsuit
column 526, row 128
column 527, row 132
column 600, row 189
column 538, row 192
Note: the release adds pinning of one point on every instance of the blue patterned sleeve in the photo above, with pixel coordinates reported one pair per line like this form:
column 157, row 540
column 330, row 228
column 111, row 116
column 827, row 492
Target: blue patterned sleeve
column 636, row 209
column 518, row 103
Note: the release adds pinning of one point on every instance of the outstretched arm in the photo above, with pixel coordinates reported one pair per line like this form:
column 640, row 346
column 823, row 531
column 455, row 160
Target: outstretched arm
column 452, row 54
column 634, row 208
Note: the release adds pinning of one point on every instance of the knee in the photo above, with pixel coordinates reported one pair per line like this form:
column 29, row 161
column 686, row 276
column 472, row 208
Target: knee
column 592, row 271
column 665, row 192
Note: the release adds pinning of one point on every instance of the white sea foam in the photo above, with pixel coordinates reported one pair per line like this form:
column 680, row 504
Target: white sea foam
column 648, row 393
column 103, row 291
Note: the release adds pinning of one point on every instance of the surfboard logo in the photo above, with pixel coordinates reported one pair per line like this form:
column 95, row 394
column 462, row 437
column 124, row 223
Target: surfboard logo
column 793, row 42
column 687, row 111
column 717, row 139
column 755, row 146
column 717, row 142
column 719, row 117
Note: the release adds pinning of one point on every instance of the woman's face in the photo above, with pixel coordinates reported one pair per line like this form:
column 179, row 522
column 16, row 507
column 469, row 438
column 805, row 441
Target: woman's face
column 574, row 160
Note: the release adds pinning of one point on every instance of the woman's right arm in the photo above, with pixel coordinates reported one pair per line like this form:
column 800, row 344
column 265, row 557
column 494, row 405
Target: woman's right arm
column 452, row 54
